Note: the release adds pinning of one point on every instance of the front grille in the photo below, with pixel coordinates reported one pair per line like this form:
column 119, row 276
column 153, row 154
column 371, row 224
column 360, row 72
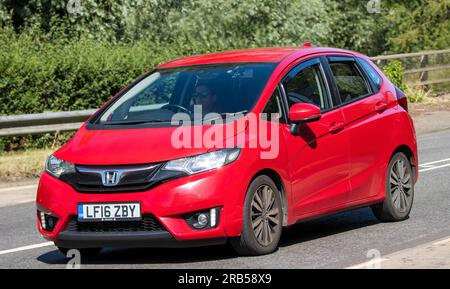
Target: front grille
column 148, row 224
column 88, row 179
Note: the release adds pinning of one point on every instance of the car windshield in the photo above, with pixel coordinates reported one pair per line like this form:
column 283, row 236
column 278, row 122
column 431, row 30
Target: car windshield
column 222, row 89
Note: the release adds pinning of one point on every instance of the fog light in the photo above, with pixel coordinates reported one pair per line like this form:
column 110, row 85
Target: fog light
column 51, row 222
column 48, row 222
column 204, row 219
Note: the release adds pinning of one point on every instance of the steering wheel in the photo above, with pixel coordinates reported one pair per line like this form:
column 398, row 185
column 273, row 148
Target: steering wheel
column 176, row 106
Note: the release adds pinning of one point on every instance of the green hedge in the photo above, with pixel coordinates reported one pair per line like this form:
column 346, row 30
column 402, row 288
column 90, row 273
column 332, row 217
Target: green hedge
column 38, row 76
column 395, row 71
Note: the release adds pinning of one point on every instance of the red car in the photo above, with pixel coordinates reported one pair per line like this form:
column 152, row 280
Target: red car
column 337, row 136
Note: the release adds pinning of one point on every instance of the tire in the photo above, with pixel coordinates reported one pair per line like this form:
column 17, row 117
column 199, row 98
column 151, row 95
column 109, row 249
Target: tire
column 262, row 219
column 399, row 191
column 85, row 252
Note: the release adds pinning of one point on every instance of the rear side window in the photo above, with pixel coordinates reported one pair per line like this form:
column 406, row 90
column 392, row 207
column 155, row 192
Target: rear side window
column 371, row 73
column 349, row 81
column 307, row 86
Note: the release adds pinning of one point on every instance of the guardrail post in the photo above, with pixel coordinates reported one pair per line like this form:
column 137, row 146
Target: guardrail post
column 424, row 74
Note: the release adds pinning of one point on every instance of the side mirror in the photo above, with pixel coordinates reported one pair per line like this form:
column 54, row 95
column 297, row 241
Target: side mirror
column 304, row 112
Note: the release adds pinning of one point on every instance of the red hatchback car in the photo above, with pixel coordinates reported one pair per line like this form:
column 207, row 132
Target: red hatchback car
column 139, row 173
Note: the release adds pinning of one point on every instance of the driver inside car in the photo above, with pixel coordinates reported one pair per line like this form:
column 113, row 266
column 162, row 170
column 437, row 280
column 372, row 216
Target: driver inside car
column 205, row 97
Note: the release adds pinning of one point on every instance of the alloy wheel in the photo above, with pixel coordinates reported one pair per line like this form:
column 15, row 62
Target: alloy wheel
column 265, row 215
column 401, row 185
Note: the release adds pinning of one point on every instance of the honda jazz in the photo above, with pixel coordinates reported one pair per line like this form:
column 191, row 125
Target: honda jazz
column 232, row 147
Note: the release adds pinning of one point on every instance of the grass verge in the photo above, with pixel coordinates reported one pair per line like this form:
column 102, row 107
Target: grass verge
column 22, row 165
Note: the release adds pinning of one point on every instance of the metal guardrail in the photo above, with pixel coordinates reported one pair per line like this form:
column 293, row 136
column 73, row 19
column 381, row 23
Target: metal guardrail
column 424, row 67
column 407, row 55
column 26, row 124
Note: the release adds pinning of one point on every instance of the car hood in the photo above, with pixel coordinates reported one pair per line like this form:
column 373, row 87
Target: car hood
column 132, row 146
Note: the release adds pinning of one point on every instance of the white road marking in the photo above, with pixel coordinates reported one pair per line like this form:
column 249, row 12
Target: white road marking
column 442, row 242
column 18, row 188
column 435, row 162
column 434, row 168
column 15, row 203
column 399, row 255
column 24, row 248
column 25, row 201
column 434, row 165
column 368, row 264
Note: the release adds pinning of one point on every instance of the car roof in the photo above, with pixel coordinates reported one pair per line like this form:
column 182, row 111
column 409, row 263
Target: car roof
column 254, row 55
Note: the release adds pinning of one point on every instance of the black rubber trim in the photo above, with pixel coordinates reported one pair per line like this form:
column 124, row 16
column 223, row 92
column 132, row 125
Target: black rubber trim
column 129, row 240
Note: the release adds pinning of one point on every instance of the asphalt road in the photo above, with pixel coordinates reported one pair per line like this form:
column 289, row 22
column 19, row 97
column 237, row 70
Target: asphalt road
column 338, row 241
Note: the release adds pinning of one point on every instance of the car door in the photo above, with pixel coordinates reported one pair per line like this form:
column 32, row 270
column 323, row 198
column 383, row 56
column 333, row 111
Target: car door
column 364, row 108
column 318, row 151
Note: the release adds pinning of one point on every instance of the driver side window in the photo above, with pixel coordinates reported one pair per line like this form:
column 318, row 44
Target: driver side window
column 307, row 86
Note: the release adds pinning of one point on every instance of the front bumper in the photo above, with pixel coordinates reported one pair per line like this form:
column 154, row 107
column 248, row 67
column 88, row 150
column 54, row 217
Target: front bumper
column 130, row 240
column 168, row 203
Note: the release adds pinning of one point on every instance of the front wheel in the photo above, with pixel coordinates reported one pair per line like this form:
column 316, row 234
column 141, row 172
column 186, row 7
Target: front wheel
column 399, row 191
column 263, row 219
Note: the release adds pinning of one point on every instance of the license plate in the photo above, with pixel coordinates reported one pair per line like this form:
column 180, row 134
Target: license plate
column 109, row 212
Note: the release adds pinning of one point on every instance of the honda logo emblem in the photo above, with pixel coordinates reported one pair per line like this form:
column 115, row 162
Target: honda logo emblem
column 110, row 178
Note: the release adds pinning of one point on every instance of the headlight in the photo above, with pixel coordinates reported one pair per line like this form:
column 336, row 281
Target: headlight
column 57, row 167
column 204, row 162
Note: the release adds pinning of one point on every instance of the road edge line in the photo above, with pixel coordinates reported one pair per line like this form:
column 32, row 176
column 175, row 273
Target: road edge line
column 25, row 248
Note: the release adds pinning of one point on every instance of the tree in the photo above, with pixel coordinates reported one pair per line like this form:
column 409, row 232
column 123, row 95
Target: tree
column 210, row 25
column 354, row 27
column 191, row 24
column 5, row 15
column 418, row 25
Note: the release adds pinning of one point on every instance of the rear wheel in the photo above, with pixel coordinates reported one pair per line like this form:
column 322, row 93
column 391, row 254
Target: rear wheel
column 263, row 219
column 399, row 191
column 84, row 253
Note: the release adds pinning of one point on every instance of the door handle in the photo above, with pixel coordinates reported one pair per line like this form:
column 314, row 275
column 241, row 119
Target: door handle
column 336, row 127
column 381, row 106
